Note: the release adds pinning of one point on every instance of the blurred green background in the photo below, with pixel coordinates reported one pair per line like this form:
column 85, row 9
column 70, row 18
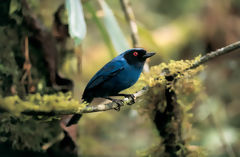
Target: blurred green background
column 175, row 30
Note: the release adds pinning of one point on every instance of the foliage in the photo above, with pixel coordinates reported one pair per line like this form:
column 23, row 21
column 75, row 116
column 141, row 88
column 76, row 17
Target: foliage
column 26, row 132
column 32, row 132
column 9, row 70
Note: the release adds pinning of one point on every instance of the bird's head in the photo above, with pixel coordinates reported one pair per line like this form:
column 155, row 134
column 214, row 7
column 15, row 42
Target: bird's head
column 136, row 55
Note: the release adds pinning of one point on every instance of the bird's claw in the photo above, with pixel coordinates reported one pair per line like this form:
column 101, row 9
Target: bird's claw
column 132, row 97
column 119, row 104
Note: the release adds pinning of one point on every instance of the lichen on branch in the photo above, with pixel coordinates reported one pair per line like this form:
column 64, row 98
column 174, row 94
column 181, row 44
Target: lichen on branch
column 167, row 103
column 177, row 69
column 48, row 103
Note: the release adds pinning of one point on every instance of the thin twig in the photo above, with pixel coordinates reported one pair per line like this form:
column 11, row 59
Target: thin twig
column 215, row 54
column 111, row 106
column 27, row 64
column 129, row 15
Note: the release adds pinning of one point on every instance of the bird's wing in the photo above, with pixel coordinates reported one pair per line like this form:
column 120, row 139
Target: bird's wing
column 107, row 72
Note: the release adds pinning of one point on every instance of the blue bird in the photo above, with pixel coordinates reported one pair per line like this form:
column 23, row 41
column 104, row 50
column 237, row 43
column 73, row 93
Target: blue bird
column 120, row 73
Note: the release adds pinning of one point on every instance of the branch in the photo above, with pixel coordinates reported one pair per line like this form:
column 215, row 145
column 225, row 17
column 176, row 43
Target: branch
column 214, row 54
column 128, row 12
column 110, row 106
column 88, row 109
column 27, row 66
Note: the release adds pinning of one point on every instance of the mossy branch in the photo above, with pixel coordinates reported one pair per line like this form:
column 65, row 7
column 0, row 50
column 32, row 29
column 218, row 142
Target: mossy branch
column 214, row 54
column 110, row 106
column 87, row 109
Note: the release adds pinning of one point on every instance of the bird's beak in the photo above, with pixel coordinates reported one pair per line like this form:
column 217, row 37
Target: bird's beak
column 147, row 55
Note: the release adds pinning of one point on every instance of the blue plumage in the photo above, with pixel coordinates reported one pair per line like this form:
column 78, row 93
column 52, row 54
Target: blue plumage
column 118, row 74
column 114, row 77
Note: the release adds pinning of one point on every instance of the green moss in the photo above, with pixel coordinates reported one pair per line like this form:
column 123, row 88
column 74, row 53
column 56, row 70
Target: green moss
column 157, row 73
column 174, row 77
column 59, row 102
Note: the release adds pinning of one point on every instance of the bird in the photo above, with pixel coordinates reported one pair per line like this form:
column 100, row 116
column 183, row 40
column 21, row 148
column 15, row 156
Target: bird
column 120, row 73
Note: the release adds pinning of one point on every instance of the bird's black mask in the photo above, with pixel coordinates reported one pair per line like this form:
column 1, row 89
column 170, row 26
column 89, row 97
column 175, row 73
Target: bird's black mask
column 136, row 56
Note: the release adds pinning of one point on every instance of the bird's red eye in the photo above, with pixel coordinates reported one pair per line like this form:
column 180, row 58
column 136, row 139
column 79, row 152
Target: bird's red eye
column 135, row 53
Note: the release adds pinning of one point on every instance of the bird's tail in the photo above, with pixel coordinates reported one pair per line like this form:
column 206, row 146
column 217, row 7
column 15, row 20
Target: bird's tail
column 75, row 118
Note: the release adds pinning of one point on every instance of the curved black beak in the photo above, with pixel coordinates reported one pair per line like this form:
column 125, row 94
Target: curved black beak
column 147, row 55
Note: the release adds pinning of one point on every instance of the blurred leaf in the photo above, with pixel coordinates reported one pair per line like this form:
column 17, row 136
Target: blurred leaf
column 114, row 31
column 14, row 6
column 103, row 31
column 76, row 21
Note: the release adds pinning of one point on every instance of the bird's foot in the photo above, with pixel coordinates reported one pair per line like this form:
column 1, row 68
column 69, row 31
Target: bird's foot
column 117, row 101
column 130, row 96
column 119, row 104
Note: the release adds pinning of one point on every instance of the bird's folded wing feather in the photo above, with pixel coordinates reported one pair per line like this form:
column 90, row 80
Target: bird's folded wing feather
column 107, row 72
